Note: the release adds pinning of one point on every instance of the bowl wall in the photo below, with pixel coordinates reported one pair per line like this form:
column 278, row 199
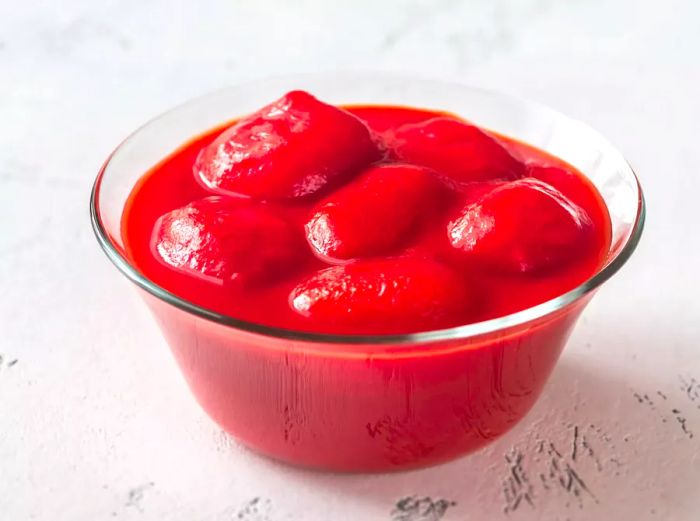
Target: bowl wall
column 318, row 405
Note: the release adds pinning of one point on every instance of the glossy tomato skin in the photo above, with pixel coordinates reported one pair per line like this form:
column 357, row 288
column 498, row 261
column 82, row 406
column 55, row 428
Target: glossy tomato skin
column 375, row 214
column 456, row 149
column 522, row 227
column 381, row 295
column 294, row 147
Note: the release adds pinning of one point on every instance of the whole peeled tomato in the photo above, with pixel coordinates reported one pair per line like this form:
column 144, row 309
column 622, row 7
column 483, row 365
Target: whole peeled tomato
column 294, row 147
column 227, row 241
column 456, row 149
column 390, row 295
column 525, row 226
column 375, row 213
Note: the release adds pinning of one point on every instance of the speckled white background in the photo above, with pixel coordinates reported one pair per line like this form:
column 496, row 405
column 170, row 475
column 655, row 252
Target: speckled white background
column 95, row 421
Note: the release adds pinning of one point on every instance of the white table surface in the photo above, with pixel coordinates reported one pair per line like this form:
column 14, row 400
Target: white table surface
column 95, row 420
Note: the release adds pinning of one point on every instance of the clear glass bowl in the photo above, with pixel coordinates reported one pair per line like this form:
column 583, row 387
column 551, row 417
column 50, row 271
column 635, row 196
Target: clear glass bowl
column 369, row 403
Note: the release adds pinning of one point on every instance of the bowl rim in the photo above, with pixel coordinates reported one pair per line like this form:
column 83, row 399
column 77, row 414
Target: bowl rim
column 463, row 332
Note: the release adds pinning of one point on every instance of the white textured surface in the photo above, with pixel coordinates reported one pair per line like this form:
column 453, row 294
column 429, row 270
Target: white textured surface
column 95, row 421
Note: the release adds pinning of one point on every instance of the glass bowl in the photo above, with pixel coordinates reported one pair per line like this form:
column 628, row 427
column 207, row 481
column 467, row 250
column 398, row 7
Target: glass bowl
column 359, row 402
